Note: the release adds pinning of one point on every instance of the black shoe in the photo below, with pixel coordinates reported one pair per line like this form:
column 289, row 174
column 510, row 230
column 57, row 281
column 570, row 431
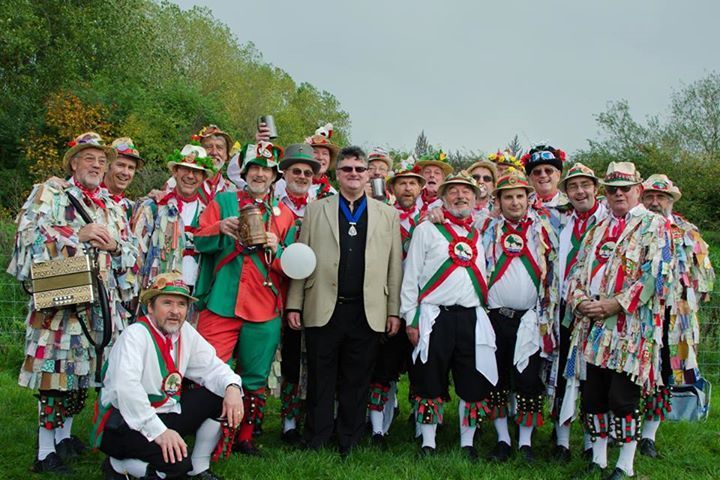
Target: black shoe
column 206, row 475
column 427, row 452
column 587, row 454
column 344, row 452
column 378, row 440
column 526, row 452
column 246, row 447
column 647, row 448
column 617, row 474
column 562, row 454
column 70, row 448
column 291, row 437
column 109, row 472
column 501, row 452
column 257, row 430
column 470, row 453
column 52, row 464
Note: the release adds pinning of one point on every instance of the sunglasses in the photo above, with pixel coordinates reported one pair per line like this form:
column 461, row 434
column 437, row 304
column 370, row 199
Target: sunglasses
column 483, row 178
column 300, row 171
column 536, row 172
column 545, row 155
column 613, row 190
column 349, row 169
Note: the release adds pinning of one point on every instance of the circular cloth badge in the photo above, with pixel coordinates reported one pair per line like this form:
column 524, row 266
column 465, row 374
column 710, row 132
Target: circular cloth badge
column 605, row 250
column 462, row 252
column 172, row 383
column 512, row 244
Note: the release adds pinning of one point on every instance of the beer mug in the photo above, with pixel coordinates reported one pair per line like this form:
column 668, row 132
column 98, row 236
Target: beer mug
column 251, row 231
column 269, row 122
column 378, row 188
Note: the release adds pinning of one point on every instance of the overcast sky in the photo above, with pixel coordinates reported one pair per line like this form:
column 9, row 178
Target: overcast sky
column 474, row 73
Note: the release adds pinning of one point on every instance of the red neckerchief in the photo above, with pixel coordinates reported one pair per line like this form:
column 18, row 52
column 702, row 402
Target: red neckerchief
column 92, row 195
column 581, row 222
column 427, row 200
column 180, row 199
column 116, row 198
column 465, row 223
column 405, row 213
column 618, row 228
column 547, row 198
column 298, row 202
column 324, row 183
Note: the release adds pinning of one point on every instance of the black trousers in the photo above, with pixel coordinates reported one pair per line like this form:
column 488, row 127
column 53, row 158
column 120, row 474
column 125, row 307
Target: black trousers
column 526, row 383
column 392, row 358
column 605, row 390
column 563, row 352
column 291, row 351
column 452, row 348
column 121, row 442
column 341, row 356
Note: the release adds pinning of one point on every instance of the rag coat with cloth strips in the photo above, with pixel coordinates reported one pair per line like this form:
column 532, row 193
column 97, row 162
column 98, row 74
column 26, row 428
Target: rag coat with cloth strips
column 58, row 356
column 537, row 328
column 638, row 274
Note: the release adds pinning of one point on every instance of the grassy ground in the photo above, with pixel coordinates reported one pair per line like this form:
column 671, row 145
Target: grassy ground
column 690, row 451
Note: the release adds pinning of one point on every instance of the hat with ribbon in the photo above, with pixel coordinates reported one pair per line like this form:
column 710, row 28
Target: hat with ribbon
column 83, row 142
column 659, row 182
column 505, row 158
column 437, row 159
column 460, row 178
column 543, row 155
column 193, row 157
column 620, row 174
column 299, row 153
column 321, row 138
column 578, row 170
column 381, row 155
column 210, row 131
column 124, row 146
column 408, row 168
column 484, row 164
column 513, row 178
column 264, row 154
column 170, row 283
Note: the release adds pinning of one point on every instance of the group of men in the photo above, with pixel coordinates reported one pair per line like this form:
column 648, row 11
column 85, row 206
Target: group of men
column 522, row 281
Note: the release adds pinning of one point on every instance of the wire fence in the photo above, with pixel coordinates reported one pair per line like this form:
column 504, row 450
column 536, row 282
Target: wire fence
column 14, row 300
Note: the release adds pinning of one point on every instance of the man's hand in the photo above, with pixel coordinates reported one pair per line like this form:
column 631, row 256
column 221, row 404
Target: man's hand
column 98, row 236
column 157, row 195
column 262, row 134
column 59, row 182
column 435, row 215
column 229, row 226
column 392, row 326
column 272, row 241
column 294, row 320
column 232, row 407
column 174, row 448
column 413, row 335
column 600, row 309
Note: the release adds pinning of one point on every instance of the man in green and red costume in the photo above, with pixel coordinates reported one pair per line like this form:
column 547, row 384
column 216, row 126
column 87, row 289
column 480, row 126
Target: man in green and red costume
column 239, row 285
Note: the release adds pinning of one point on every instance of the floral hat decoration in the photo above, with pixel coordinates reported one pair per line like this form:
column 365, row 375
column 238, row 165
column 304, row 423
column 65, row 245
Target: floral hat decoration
column 408, row 168
column 83, row 142
column 170, row 283
column 659, row 182
column 505, row 158
column 438, row 159
column 124, row 146
column 191, row 156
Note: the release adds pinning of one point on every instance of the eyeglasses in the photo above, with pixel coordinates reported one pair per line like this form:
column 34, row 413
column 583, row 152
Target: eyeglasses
column 300, row 171
column 537, row 171
column 349, row 169
column 613, row 190
column 483, row 178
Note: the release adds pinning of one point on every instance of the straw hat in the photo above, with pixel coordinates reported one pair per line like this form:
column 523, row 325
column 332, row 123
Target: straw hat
column 578, row 170
column 191, row 156
column 620, row 174
column 83, row 142
column 124, row 146
column 460, row 178
column 659, row 182
column 170, row 283
column 513, row 178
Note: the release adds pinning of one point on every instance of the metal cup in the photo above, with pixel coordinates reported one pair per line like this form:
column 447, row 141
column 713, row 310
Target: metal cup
column 378, row 188
column 269, row 122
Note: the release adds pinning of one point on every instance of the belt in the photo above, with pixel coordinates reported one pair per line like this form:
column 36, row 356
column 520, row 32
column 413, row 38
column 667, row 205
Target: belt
column 455, row 308
column 508, row 312
column 343, row 300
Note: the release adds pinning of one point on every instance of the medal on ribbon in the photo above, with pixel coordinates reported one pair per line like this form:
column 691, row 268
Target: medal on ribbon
column 462, row 252
column 512, row 244
column 172, row 384
column 605, row 250
column 353, row 217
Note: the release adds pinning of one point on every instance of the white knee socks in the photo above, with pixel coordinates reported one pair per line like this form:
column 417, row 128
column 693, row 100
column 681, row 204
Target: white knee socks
column 64, row 432
column 650, row 428
column 428, row 435
column 525, row 438
column 627, row 457
column 563, row 435
column 206, row 438
column 130, row 466
column 46, row 442
column 501, row 427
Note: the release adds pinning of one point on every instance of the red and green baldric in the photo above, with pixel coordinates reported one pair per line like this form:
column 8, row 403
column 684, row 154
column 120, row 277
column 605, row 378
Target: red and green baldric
column 514, row 245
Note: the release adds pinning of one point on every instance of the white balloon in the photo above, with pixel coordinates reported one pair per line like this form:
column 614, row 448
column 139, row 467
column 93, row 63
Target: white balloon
column 298, row 261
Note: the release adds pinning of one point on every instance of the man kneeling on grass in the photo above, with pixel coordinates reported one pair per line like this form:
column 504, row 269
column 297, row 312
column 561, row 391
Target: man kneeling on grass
column 142, row 416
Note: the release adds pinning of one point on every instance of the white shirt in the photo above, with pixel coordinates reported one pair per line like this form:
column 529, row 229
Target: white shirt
column 566, row 244
column 134, row 372
column 189, row 262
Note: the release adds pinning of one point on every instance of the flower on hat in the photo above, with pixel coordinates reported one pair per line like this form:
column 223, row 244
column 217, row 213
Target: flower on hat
column 326, row 130
column 504, row 158
column 192, row 156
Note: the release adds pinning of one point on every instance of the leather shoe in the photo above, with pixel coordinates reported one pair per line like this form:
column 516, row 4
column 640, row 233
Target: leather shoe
column 70, row 448
column 587, row 454
column 52, row 464
column 378, row 440
column 647, row 448
column 246, row 447
column 206, row 475
column 470, row 453
column 617, row 474
column 291, row 437
column 562, row 454
column 427, row 451
column 501, row 452
column 527, row 454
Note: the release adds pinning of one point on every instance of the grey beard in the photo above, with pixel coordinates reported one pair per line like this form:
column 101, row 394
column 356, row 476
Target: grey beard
column 459, row 212
column 254, row 191
column 297, row 191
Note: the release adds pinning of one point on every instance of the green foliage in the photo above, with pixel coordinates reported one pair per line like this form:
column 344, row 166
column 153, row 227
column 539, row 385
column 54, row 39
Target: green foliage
column 156, row 73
